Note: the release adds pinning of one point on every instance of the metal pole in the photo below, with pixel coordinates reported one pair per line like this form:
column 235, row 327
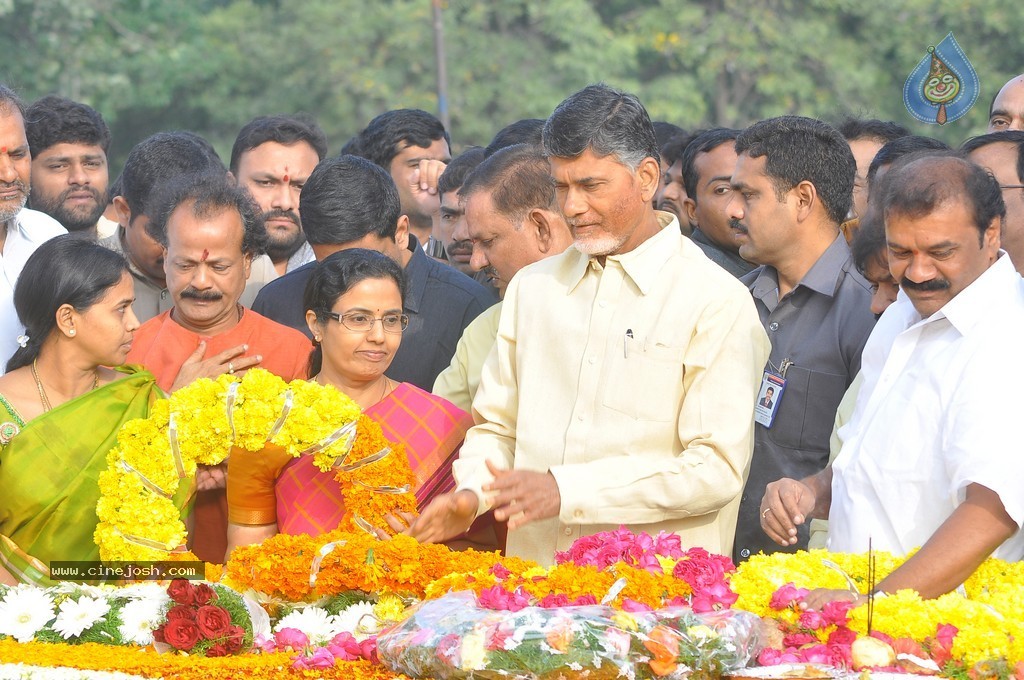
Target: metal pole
column 442, row 69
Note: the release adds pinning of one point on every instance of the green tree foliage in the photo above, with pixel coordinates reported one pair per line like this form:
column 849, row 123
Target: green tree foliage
column 211, row 65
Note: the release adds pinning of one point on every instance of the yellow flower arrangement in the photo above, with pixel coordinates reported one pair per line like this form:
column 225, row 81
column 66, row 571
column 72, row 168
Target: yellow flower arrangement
column 149, row 473
column 990, row 619
column 149, row 664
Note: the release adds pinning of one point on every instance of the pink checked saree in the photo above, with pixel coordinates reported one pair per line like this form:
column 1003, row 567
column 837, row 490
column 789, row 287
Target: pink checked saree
column 431, row 429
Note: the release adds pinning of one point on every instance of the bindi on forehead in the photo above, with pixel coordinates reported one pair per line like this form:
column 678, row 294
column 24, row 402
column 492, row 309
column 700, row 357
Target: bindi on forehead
column 206, row 254
column 3, row 149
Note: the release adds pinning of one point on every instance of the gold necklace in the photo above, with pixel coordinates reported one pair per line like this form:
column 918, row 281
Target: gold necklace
column 42, row 391
column 383, row 392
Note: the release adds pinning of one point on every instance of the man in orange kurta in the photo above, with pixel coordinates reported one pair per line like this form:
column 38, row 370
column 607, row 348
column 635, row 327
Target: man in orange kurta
column 210, row 231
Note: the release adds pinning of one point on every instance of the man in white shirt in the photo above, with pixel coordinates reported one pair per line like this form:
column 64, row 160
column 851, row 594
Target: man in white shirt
column 21, row 230
column 930, row 457
column 622, row 383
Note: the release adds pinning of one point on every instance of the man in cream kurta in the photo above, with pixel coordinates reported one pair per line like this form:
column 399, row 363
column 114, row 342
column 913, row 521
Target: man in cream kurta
column 622, row 384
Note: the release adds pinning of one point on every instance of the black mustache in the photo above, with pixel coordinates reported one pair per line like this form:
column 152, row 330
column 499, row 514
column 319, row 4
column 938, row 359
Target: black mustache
column 735, row 224
column 277, row 212
column 924, row 286
column 194, row 294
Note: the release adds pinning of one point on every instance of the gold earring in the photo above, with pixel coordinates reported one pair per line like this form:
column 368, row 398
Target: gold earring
column 316, row 338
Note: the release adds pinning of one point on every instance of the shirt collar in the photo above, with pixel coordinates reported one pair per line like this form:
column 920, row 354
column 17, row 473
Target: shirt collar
column 641, row 264
column 416, row 273
column 823, row 276
column 986, row 295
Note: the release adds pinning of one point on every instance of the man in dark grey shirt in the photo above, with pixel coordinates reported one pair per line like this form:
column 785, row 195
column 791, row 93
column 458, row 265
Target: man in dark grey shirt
column 353, row 203
column 792, row 186
column 707, row 165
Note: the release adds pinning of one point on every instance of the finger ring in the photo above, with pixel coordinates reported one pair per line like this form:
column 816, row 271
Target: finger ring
column 764, row 515
column 231, row 368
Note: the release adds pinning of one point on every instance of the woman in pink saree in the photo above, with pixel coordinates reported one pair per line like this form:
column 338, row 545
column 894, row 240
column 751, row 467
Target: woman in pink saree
column 354, row 309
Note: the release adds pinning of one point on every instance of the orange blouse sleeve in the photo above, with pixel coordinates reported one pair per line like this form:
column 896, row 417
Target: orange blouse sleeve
column 251, row 480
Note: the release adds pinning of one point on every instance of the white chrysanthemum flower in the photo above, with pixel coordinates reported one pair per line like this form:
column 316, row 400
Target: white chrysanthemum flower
column 148, row 590
column 315, row 622
column 139, row 618
column 24, row 611
column 359, row 620
column 77, row 616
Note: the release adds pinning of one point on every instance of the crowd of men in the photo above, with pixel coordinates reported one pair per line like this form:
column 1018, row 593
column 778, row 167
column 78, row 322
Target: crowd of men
column 723, row 334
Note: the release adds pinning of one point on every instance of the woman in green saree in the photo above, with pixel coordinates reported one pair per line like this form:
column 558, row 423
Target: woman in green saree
column 60, row 407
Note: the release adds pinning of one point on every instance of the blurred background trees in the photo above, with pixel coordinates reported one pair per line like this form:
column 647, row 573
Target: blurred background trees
column 211, row 65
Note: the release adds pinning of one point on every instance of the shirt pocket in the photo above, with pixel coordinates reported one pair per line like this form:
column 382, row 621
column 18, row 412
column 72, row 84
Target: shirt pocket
column 807, row 413
column 646, row 382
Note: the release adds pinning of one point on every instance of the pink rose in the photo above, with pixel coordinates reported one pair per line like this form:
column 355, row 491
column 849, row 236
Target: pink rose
column 584, row 600
column 836, row 612
column 812, row 619
column 265, row 644
column 291, row 640
column 368, row 649
column 773, row 657
column 787, row 596
column 799, row 639
column 842, row 636
column 497, row 635
column 500, row 599
column 344, row 646
column 713, row 598
column 321, row 658
column 500, row 572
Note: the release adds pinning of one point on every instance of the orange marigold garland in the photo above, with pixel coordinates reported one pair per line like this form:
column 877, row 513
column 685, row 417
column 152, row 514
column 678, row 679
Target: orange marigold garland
column 373, row 489
column 280, row 567
column 145, row 662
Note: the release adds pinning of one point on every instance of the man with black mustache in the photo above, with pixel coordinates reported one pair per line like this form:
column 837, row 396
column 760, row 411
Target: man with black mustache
column 210, row 231
column 69, row 143
column 791, row 188
column 272, row 157
column 930, row 458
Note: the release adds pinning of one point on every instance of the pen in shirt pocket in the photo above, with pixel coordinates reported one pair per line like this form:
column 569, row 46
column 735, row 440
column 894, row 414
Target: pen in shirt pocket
column 625, row 342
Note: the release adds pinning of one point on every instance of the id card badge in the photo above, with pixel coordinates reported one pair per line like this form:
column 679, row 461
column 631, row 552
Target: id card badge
column 768, row 398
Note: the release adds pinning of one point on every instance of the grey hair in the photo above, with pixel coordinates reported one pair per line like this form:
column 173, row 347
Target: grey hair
column 605, row 120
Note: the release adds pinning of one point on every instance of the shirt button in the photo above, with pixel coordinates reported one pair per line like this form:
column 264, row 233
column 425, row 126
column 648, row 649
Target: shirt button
column 602, row 304
column 745, row 552
column 592, row 360
column 773, row 326
column 578, row 514
column 579, row 417
column 568, row 531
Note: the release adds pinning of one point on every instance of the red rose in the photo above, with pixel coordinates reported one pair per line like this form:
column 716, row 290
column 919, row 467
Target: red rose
column 698, row 573
column 219, row 649
column 202, row 594
column 158, row 634
column 181, row 634
column 235, row 636
column 213, row 621
column 181, row 591
column 181, row 611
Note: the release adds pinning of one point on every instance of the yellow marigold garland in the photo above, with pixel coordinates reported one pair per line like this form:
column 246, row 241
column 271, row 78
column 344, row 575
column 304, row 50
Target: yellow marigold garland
column 990, row 620
column 138, row 518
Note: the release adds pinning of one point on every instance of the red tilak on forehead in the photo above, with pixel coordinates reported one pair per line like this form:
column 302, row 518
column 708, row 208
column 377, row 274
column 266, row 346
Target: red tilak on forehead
column 206, row 254
column 3, row 149
column 286, row 178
